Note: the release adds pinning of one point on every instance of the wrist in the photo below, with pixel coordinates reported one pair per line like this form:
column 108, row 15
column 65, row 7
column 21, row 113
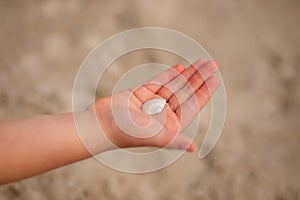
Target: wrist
column 90, row 132
column 105, row 119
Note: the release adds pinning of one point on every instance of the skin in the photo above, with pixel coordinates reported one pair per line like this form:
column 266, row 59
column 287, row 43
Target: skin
column 35, row 145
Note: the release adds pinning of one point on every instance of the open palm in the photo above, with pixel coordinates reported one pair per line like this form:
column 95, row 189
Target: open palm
column 186, row 91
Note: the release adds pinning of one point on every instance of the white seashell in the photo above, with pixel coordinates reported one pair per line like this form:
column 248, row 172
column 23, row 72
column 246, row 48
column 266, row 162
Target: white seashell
column 154, row 106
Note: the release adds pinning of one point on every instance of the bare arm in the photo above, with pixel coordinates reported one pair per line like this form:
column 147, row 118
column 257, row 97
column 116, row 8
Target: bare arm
column 35, row 145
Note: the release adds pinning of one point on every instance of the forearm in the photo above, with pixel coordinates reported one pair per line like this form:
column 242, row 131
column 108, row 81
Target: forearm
column 32, row 146
column 35, row 145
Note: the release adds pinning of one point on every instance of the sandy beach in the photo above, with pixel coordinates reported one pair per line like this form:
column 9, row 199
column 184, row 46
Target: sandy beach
column 257, row 46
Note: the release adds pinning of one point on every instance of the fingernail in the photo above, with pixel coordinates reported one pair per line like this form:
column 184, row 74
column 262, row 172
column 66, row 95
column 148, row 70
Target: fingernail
column 179, row 67
column 185, row 146
column 216, row 63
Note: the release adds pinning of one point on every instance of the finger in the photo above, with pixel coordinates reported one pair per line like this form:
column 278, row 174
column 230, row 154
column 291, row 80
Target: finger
column 177, row 83
column 143, row 94
column 189, row 109
column 149, row 88
column 164, row 77
column 195, row 82
column 181, row 142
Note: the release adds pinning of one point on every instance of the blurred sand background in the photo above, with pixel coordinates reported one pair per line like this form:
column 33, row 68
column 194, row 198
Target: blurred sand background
column 257, row 46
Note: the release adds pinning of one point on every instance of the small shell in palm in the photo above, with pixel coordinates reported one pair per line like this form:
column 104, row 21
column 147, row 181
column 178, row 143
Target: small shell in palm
column 154, row 106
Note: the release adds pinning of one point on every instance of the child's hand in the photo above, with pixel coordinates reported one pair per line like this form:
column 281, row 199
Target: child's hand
column 50, row 141
column 186, row 92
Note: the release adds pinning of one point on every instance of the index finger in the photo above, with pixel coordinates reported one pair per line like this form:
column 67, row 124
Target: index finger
column 155, row 83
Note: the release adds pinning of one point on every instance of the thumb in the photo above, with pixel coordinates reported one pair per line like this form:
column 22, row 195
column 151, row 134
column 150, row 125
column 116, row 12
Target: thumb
column 182, row 142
